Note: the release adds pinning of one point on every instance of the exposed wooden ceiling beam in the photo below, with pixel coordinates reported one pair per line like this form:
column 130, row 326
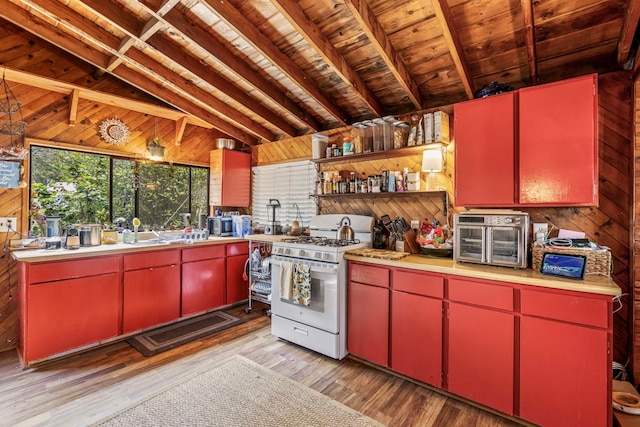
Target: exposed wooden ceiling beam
column 631, row 21
column 78, row 48
column 180, row 125
column 34, row 80
column 530, row 39
column 225, row 57
column 374, row 32
column 241, row 25
column 73, row 106
column 312, row 34
column 174, row 53
column 443, row 14
column 89, row 32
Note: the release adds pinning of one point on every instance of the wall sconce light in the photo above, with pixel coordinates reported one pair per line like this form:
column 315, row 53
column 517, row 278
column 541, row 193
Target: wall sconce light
column 433, row 160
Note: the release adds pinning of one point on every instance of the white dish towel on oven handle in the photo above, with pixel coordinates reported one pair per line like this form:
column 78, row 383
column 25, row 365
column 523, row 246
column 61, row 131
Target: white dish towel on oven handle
column 286, row 280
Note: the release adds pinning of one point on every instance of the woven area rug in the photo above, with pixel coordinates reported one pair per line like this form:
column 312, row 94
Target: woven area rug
column 167, row 337
column 238, row 392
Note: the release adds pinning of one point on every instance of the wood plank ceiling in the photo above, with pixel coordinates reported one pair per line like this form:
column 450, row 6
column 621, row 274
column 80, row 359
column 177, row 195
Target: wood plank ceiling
column 263, row 70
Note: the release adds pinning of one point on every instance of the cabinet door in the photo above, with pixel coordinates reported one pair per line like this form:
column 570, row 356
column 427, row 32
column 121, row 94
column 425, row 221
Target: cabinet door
column 368, row 322
column 151, row 297
column 564, row 374
column 485, row 151
column 230, row 178
column 202, row 285
column 481, row 355
column 416, row 337
column 69, row 314
column 237, row 287
column 559, row 143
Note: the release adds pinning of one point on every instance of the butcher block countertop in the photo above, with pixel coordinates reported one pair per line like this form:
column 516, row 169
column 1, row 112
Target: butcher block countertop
column 592, row 283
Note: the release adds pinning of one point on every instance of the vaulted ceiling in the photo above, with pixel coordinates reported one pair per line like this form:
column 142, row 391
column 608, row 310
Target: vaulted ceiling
column 263, row 70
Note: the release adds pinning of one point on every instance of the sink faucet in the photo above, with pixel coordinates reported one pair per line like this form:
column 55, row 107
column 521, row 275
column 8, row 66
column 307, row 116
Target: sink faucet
column 160, row 235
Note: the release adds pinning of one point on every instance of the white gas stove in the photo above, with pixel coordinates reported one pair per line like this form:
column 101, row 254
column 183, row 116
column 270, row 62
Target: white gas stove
column 321, row 325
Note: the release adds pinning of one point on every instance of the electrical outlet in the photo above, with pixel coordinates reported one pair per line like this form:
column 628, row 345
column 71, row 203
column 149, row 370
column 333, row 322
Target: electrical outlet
column 4, row 224
column 415, row 224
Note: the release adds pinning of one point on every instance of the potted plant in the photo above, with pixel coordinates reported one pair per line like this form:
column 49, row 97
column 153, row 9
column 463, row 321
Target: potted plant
column 155, row 148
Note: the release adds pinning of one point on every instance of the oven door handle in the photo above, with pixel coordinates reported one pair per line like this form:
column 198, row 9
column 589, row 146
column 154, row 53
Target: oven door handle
column 314, row 266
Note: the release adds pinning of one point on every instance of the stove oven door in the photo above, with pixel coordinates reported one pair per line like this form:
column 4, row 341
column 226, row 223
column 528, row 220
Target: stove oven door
column 322, row 311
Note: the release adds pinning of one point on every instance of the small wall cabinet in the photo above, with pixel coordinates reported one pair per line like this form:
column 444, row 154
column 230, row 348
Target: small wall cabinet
column 229, row 178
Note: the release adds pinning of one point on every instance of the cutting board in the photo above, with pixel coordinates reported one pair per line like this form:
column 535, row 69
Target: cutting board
column 378, row 253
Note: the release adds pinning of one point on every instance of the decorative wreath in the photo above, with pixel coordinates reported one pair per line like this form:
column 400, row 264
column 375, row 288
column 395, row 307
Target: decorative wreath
column 114, row 131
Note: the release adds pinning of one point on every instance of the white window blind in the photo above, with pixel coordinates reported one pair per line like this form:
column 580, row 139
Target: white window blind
column 291, row 184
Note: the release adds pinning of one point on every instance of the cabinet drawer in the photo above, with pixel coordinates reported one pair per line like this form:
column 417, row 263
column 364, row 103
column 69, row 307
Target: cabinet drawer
column 52, row 271
column 481, row 293
column 204, row 252
column 566, row 307
column 419, row 283
column 376, row 276
column 237, row 249
column 151, row 259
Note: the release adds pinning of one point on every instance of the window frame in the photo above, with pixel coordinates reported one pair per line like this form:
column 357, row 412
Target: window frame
column 111, row 154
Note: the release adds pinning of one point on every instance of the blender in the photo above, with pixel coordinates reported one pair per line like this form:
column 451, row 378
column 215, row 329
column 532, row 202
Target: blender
column 53, row 233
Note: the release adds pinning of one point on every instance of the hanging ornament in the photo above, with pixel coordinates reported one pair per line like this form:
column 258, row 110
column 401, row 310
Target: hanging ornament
column 10, row 106
column 114, row 131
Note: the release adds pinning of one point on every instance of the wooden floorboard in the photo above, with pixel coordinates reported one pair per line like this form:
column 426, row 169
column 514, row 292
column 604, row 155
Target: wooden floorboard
column 86, row 387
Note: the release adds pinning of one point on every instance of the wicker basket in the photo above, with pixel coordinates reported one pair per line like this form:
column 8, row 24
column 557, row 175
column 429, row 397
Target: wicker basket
column 598, row 260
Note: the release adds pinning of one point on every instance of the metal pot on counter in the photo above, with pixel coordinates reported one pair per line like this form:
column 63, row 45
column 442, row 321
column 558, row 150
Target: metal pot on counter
column 89, row 234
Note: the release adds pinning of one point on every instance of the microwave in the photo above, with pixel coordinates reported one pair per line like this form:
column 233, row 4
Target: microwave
column 220, row 225
column 491, row 237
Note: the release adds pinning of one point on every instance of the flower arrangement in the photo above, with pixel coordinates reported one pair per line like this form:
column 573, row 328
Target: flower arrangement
column 37, row 216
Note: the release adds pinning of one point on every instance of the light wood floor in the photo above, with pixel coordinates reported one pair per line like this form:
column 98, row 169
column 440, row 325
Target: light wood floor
column 84, row 388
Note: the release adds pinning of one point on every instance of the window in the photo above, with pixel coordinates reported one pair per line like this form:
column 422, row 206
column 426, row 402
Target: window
column 82, row 187
column 292, row 184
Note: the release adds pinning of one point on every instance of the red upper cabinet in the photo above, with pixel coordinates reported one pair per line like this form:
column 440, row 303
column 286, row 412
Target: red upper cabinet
column 559, row 143
column 485, row 151
column 230, row 178
column 537, row 146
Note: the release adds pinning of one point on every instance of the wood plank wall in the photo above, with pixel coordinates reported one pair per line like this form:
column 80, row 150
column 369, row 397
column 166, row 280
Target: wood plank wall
column 608, row 224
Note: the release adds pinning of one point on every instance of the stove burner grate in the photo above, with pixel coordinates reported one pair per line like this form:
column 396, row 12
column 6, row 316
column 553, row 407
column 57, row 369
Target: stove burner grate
column 321, row 241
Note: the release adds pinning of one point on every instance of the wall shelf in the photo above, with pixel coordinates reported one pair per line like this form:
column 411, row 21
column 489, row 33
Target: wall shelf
column 374, row 155
column 385, row 194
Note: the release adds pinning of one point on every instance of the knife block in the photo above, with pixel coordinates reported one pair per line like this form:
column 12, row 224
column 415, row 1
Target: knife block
column 408, row 243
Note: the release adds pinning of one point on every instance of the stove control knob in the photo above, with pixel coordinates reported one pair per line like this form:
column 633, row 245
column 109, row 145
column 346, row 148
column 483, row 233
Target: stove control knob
column 508, row 220
column 287, row 251
column 327, row 256
column 318, row 255
column 301, row 253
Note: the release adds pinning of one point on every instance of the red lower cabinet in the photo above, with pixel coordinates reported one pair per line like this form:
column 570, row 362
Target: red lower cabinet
column 237, row 286
column 481, row 355
column 151, row 297
column 368, row 322
column 416, row 337
column 202, row 285
column 69, row 314
column 565, row 361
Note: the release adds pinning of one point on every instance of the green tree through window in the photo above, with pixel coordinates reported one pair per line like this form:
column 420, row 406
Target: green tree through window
column 84, row 187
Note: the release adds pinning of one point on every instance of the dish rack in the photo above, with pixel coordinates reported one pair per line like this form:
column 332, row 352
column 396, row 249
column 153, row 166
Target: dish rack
column 259, row 273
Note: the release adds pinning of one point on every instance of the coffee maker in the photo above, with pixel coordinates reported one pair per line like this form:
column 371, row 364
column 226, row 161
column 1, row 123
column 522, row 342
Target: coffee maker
column 272, row 227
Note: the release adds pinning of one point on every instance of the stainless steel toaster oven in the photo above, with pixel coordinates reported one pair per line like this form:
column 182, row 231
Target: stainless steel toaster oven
column 495, row 237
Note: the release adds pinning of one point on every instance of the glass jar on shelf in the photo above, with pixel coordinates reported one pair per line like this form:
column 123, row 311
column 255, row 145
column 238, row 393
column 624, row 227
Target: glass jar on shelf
column 378, row 134
column 358, row 138
column 367, row 142
column 400, row 134
column 387, row 131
